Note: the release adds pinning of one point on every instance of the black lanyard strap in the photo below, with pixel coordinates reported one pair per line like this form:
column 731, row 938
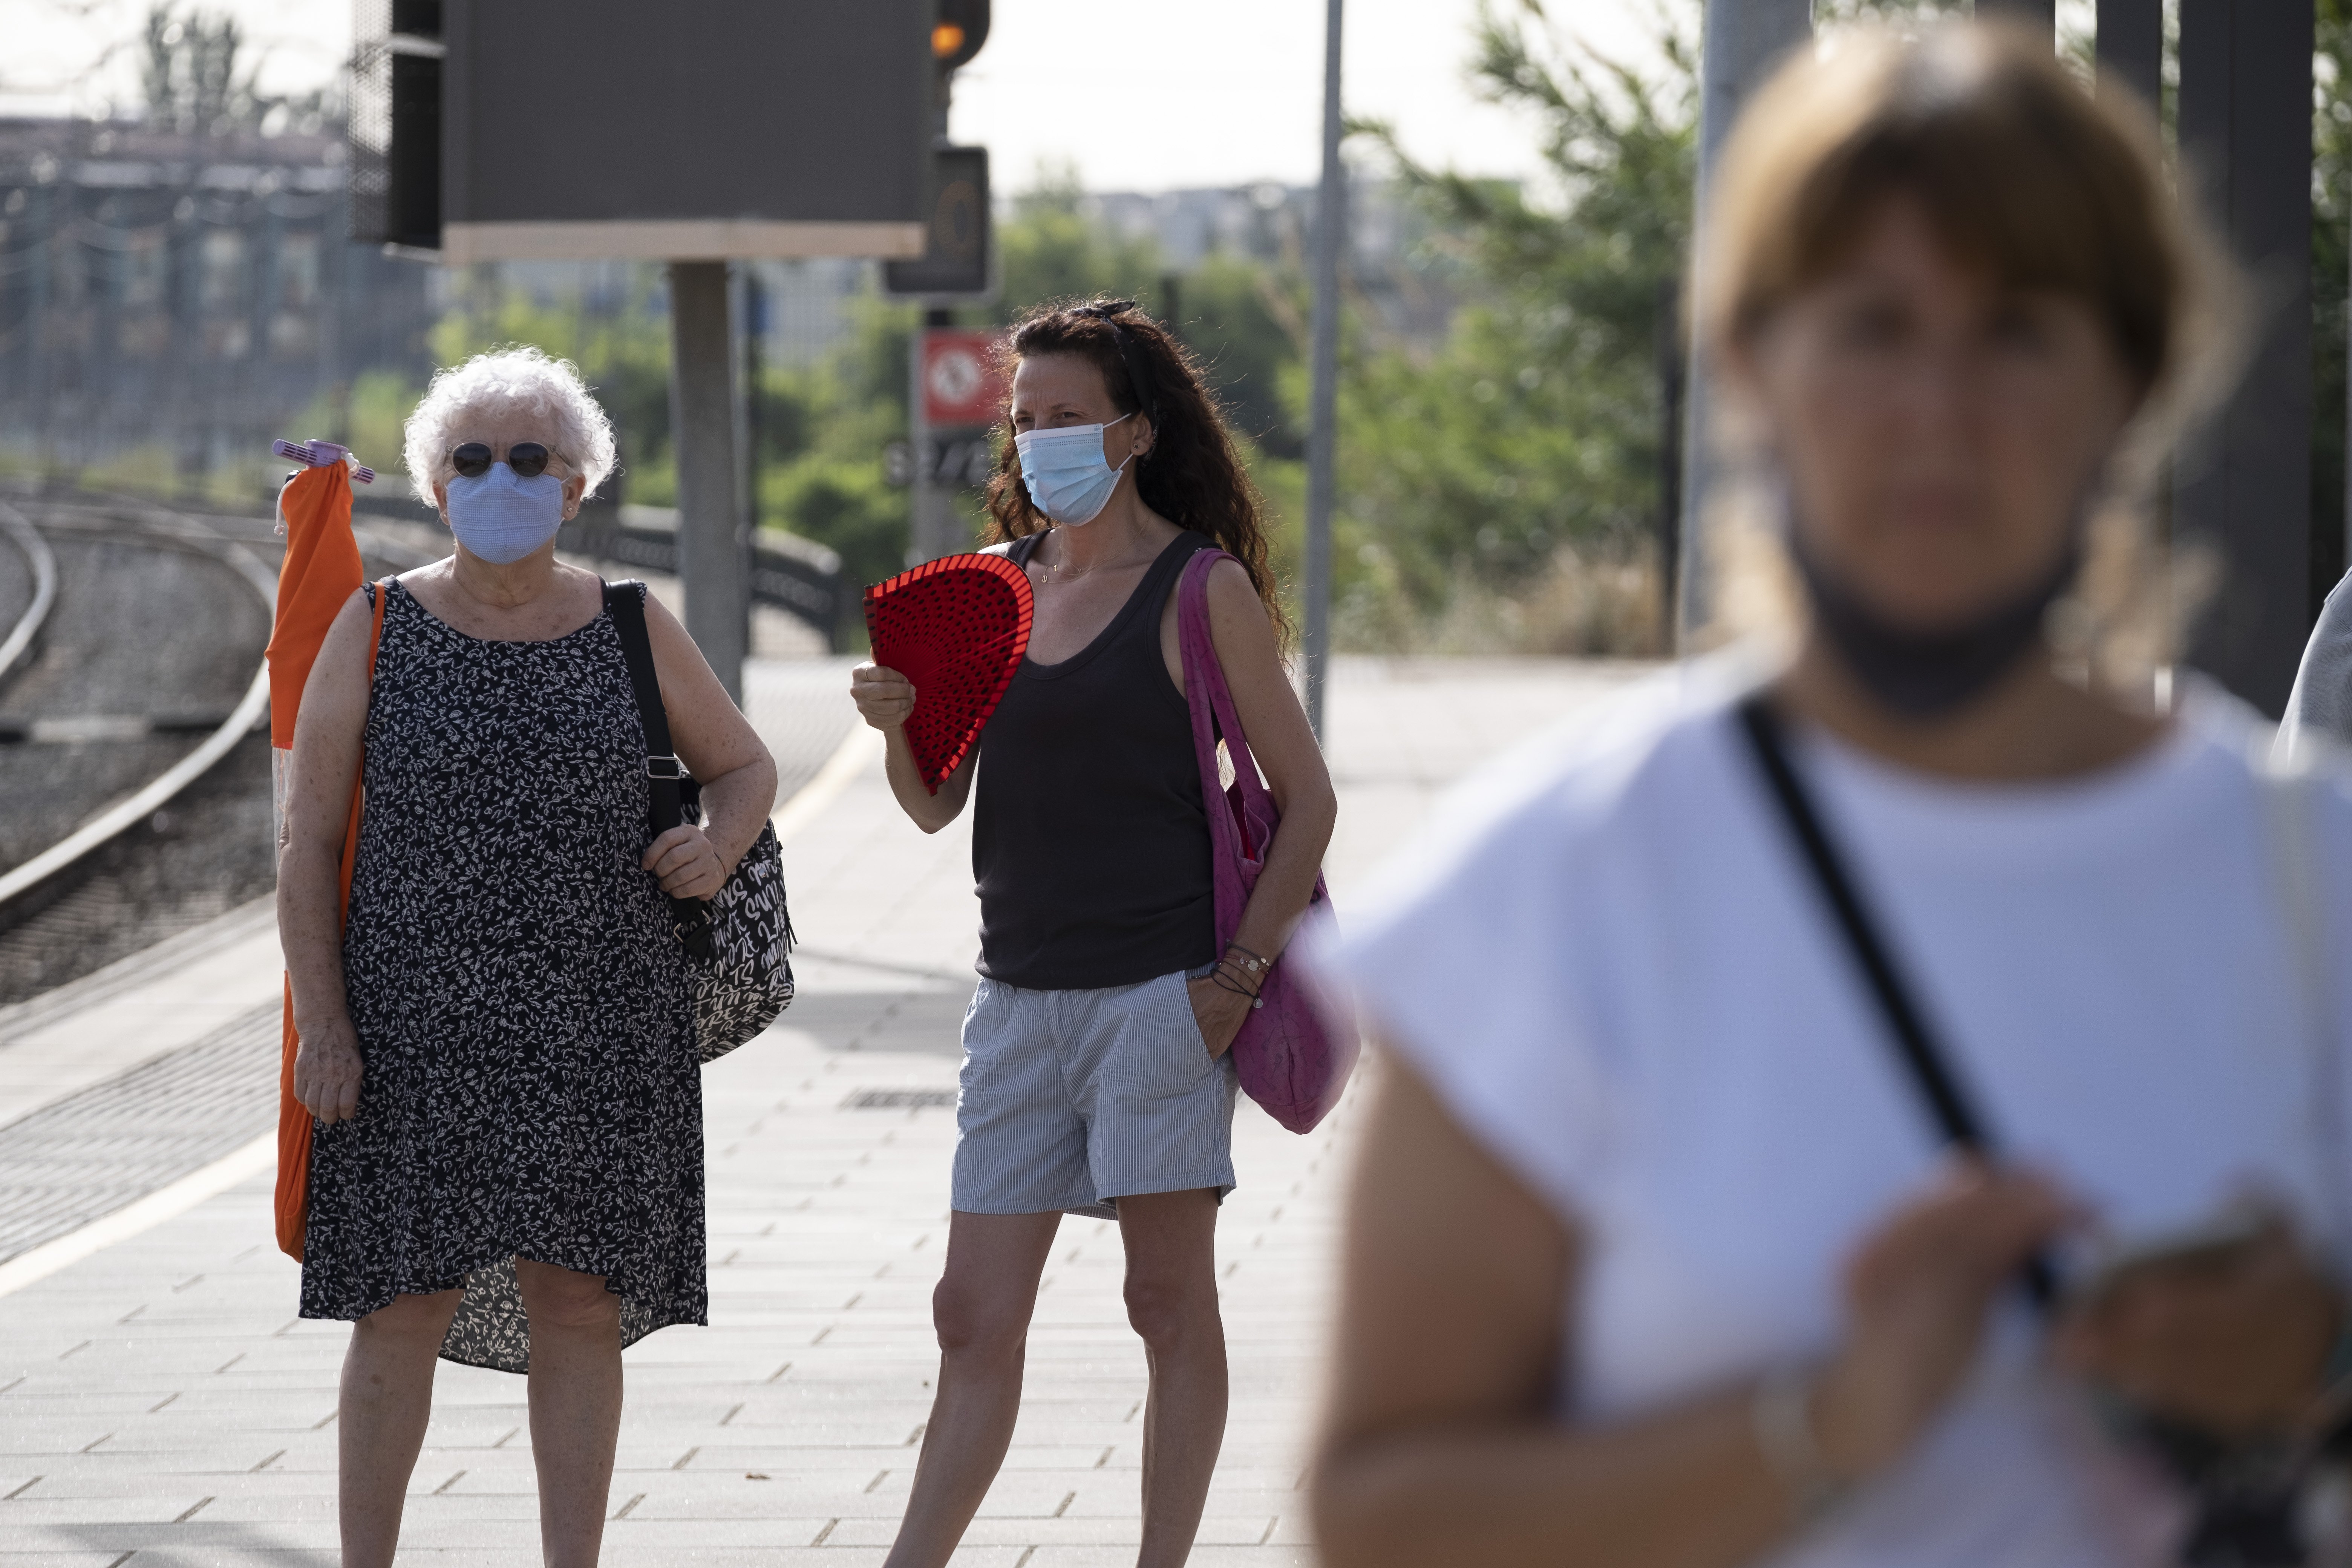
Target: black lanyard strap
column 1924, row 1060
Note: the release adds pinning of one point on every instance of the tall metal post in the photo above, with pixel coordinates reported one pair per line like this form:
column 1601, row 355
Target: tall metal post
column 1323, row 436
column 1744, row 39
column 2130, row 45
column 713, row 563
column 2245, row 487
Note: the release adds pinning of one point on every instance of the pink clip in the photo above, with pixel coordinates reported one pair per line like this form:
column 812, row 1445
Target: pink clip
column 318, row 454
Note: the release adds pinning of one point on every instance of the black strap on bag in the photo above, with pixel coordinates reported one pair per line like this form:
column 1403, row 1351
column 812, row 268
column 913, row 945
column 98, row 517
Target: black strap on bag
column 1924, row 1060
column 667, row 781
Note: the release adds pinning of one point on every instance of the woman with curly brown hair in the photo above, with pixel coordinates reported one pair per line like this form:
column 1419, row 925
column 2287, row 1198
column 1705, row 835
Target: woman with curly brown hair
column 1094, row 1076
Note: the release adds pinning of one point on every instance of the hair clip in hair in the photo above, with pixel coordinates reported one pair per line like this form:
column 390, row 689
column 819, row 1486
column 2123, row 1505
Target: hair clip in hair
column 320, row 454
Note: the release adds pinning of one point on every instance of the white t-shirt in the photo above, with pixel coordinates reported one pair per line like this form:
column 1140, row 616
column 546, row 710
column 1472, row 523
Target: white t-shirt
column 1609, row 963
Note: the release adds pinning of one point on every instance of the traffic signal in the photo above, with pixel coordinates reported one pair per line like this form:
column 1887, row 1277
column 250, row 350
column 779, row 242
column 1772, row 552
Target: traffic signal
column 956, row 35
column 955, row 259
column 396, row 128
column 955, row 263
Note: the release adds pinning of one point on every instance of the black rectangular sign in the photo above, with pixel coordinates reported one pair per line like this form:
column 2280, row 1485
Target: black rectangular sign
column 689, row 130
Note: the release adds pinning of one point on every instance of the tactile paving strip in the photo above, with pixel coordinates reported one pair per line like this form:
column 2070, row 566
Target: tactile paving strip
column 82, row 1157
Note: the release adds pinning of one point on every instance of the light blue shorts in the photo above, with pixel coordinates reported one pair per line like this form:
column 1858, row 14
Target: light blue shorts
column 1070, row 1100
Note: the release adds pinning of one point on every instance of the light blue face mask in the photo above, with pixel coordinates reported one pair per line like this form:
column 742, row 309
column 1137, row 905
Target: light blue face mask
column 1066, row 473
column 501, row 517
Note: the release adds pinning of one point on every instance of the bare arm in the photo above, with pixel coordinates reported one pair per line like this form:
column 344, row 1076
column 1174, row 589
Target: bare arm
column 723, row 752
column 323, row 773
column 884, row 699
column 1286, row 752
column 1440, row 1447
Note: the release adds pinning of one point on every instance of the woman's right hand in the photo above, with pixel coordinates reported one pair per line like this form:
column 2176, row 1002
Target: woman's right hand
column 327, row 1068
column 1917, row 1292
column 883, row 697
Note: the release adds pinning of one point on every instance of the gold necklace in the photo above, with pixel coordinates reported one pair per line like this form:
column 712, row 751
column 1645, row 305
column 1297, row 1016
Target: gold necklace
column 1063, row 574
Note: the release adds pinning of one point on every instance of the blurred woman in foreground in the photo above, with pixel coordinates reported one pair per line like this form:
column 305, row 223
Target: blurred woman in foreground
column 1658, row 1261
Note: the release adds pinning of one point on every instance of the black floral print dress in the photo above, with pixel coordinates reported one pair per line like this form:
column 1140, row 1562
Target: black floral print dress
column 531, row 1087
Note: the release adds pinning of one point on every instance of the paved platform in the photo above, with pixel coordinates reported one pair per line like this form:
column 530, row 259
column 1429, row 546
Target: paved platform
column 160, row 1401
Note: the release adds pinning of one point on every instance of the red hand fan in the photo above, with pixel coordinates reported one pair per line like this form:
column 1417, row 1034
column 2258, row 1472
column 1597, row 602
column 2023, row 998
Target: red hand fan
column 957, row 628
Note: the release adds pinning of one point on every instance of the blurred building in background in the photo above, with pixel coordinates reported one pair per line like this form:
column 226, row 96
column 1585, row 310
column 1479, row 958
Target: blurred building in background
column 1389, row 260
column 170, row 299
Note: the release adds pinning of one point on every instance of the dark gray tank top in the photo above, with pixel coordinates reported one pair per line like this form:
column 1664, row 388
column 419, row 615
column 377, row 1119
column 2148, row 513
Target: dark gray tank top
column 1090, row 842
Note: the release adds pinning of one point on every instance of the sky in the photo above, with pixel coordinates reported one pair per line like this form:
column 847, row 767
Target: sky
column 1139, row 95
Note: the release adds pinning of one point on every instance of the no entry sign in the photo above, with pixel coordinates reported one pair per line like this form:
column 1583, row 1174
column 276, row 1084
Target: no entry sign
column 959, row 385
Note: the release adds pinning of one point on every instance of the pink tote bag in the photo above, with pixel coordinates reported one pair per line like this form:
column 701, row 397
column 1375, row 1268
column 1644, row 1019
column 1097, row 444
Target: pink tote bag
column 1296, row 1050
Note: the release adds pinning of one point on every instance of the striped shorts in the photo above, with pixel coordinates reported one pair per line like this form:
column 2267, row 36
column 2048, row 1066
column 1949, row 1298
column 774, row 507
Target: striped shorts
column 1071, row 1099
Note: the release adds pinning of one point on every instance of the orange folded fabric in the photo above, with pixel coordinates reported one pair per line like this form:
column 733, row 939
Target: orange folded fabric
column 321, row 570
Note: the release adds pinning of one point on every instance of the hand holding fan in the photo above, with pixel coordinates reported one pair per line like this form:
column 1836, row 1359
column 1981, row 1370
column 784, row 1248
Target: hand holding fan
column 956, row 628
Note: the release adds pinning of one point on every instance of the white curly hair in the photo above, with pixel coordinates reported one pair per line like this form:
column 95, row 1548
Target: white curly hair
column 511, row 379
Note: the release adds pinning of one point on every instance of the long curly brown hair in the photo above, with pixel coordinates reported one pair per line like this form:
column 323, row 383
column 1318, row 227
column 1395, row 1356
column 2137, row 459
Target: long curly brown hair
column 1191, row 476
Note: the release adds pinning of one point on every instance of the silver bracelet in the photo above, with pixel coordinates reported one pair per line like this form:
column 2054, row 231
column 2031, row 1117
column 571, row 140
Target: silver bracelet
column 1781, row 1416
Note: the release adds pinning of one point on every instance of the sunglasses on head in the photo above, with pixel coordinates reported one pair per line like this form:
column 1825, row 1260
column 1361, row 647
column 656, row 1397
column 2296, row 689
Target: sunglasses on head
column 527, row 458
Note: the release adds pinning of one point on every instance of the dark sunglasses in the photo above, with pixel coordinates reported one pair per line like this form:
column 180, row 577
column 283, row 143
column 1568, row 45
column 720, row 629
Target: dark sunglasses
column 527, row 458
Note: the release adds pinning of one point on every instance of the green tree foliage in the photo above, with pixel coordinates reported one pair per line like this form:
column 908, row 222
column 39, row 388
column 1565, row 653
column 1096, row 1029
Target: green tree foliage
column 1238, row 314
column 195, row 76
column 621, row 345
column 1246, row 321
column 1053, row 249
column 824, row 432
column 1538, row 424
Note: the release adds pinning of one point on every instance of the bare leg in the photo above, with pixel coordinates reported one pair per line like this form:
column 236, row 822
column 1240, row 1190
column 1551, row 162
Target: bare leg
column 1172, row 1300
column 386, row 1399
column 982, row 1311
column 575, row 1405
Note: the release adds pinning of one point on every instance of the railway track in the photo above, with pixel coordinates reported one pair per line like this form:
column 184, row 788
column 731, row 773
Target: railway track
column 154, row 530
column 41, row 574
column 134, row 764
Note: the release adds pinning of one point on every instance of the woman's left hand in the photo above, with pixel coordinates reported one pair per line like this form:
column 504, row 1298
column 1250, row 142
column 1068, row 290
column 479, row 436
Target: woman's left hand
column 1218, row 1012
column 2235, row 1341
column 686, row 863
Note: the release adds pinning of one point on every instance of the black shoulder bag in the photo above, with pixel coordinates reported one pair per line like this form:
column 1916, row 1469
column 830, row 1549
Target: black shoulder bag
column 739, row 943
column 2245, row 1505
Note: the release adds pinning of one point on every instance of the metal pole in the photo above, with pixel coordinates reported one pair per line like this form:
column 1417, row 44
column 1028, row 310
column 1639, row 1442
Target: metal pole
column 1744, row 40
column 711, row 555
column 2130, row 45
column 2244, row 114
column 1671, row 364
column 1322, row 440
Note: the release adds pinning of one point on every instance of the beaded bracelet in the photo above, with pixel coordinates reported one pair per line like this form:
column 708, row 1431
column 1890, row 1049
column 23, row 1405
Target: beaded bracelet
column 1250, row 962
column 1234, row 985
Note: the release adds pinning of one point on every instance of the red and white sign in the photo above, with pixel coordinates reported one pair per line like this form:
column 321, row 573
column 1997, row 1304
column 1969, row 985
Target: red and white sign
column 961, row 386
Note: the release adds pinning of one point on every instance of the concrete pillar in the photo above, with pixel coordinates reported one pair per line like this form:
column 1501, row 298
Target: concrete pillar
column 2244, row 486
column 713, row 557
column 2131, row 47
column 1744, row 40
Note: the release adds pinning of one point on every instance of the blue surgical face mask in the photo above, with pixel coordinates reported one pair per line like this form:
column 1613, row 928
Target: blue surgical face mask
column 1066, row 473
column 501, row 517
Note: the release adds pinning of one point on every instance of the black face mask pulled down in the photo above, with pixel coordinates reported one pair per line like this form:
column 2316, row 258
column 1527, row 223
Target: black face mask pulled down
column 1927, row 675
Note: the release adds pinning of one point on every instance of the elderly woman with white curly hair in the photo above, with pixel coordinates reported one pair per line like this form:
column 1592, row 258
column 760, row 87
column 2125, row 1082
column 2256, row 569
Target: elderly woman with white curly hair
column 499, row 1046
